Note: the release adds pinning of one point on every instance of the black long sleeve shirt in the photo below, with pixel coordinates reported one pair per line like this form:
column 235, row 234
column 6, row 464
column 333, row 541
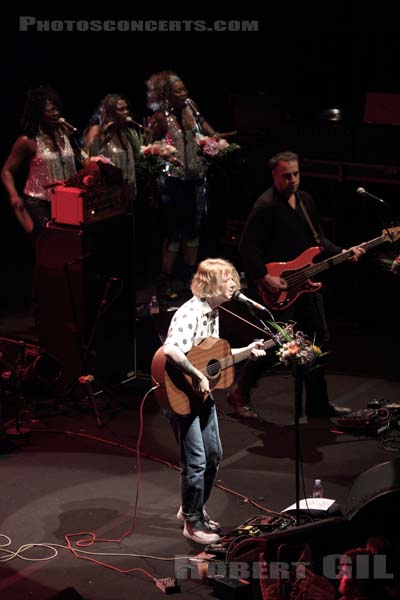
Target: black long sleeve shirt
column 274, row 231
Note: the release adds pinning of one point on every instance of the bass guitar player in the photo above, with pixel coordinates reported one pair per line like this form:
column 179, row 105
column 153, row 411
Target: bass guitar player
column 283, row 224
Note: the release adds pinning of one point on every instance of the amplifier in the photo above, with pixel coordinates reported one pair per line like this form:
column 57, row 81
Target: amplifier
column 75, row 206
column 85, row 279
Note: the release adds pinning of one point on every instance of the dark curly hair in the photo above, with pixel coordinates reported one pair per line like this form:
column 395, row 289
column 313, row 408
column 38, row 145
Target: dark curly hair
column 34, row 107
column 107, row 108
column 106, row 118
column 159, row 89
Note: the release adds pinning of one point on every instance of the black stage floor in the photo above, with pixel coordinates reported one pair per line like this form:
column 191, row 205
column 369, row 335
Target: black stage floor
column 72, row 477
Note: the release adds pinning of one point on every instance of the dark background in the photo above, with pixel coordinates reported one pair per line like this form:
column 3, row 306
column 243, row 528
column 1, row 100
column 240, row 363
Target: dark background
column 272, row 85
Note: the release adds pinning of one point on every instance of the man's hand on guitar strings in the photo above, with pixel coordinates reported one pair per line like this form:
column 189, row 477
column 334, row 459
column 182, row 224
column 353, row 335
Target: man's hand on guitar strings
column 273, row 283
column 201, row 386
column 357, row 251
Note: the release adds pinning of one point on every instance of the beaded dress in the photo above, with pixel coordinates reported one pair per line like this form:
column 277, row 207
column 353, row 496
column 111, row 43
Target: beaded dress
column 49, row 165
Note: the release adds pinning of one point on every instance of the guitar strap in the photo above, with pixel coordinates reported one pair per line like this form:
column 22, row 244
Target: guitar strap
column 316, row 235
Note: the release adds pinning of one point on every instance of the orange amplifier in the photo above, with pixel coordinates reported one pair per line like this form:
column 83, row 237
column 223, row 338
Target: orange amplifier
column 74, row 206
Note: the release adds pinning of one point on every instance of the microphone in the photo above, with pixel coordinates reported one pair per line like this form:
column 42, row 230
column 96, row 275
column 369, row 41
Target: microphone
column 251, row 303
column 131, row 123
column 362, row 192
column 62, row 121
column 191, row 105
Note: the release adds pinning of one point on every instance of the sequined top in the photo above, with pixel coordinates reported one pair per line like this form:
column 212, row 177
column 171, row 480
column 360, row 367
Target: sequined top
column 48, row 165
column 191, row 165
column 121, row 157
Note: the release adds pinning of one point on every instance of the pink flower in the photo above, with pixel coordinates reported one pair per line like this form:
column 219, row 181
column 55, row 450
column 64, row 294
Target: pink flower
column 211, row 147
column 223, row 144
column 167, row 150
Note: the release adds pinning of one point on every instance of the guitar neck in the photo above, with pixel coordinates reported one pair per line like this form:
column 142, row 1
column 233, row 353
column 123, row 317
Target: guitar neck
column 234, row 359
column 342, row 257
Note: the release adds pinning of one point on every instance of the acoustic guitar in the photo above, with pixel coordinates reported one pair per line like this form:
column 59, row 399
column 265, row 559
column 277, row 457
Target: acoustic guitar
column 298, row 272
column 212, row 357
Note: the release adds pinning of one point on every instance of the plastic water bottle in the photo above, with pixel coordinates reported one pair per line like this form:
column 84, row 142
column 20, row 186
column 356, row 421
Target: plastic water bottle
column 243, row 280
column 318, row 489
column 154, row 307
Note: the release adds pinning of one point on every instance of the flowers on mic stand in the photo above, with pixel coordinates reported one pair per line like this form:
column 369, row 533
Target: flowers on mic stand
column 154, row 160
column 296, row 350
column 212, row 148
column 224, row 163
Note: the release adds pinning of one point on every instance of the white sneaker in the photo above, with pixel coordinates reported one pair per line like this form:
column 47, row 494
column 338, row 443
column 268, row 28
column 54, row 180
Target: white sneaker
column 214, row 526
column 200, row 533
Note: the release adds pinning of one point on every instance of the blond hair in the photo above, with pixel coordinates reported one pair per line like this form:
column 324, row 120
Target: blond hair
column 208, row 277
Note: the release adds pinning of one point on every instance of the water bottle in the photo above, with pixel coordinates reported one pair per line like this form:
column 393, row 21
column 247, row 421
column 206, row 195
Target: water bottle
column 243, row 281
column 154, row 307
column 318, row 489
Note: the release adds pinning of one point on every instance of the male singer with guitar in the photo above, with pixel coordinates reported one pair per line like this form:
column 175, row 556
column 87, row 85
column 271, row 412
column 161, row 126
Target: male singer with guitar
column 282, row 224
column 200, row 448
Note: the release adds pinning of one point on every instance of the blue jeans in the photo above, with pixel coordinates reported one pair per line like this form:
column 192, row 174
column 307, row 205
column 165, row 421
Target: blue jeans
column 200, row 455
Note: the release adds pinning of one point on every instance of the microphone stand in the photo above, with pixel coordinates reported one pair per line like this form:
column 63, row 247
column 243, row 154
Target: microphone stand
column 89, row 379
column 298, row 401
column 84, row 348
column 298, row 374
column 15, row 381
column 195, row 113
column 384, row 222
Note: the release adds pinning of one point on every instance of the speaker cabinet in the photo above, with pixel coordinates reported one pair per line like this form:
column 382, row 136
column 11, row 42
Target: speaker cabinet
column 372, row 503
column 84, row 286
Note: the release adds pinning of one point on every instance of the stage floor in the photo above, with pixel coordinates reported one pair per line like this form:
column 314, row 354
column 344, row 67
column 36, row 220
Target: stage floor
column 71, row 476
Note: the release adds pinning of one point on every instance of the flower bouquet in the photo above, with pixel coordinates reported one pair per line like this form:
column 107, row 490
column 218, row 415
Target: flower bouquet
column 98, row 172
column 296, row 348
column 153, row 158
column 212, row 148
column 152, row 162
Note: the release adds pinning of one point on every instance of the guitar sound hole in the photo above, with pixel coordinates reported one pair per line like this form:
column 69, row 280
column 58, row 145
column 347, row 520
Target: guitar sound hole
column 213, row 369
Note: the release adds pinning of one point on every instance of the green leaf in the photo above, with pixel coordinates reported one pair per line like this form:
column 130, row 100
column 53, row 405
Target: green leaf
column 283, row 333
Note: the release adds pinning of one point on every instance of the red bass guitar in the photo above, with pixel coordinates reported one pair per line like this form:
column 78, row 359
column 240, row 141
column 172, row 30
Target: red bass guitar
column 299, row 271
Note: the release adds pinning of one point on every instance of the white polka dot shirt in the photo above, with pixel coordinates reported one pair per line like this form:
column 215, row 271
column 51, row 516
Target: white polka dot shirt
column 192, row 322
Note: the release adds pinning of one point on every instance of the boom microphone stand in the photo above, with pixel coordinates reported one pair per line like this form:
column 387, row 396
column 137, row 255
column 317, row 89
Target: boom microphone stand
column 386, row 216
column 86, row 347
column 15, row 382
column 298, row 374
